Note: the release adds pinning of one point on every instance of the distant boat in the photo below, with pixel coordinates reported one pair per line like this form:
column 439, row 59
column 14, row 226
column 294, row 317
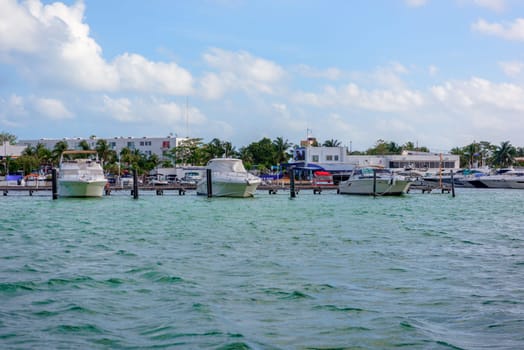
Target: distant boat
column 371, row 180
column 507, row 179
column 229, row 178
column 461, row 178
column 80, row 177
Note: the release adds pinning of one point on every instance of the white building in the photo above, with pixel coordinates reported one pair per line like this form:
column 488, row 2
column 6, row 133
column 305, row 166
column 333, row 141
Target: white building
column 8, row 150
column 337, row 160
column 146, row 145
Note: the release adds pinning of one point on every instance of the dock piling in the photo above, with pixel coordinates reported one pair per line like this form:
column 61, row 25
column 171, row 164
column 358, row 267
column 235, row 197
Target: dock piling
column 452, row 184
column 292, row 192
column 374, row 183
column 209, row 183
column 135, row 184
column 54, row 187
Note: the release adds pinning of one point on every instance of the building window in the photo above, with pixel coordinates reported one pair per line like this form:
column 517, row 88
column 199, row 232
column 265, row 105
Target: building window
column 112, row 145
column 335, row 158
column 131, row 145
column 165, row 144
column 329, row 158
column 314, row 158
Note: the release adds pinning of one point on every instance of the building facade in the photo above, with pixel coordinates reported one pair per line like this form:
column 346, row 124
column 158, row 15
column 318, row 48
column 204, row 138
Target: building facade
column 338, row 160
column 146, row 145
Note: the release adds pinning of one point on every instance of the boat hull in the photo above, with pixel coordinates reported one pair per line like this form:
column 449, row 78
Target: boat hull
column 81, row 188
column 384, row 187
column 228, row 188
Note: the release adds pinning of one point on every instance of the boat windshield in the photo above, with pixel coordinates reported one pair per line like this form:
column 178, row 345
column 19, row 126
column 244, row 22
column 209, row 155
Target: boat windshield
column 370, row 171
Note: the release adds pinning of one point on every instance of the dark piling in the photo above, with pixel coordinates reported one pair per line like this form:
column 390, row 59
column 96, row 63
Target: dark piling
column 292, row 192
column 209, row 183
column 54, row 186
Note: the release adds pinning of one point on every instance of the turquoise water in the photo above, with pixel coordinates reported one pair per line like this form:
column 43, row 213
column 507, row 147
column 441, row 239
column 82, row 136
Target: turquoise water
column 425, row 271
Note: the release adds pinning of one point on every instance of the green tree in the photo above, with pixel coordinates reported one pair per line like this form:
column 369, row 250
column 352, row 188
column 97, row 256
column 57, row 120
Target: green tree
column 247, row 157
column 43, row 154
column 6, row 139
column 84, row 145
column 230, row 150
column 281, row 150
column 459, row 151
column 504, row 155
column 214, row 149
column 332, row 143
column 189, row 151
column 105, row 154
column 57, row 151
column 384, row 147
column 263, row 153
column 27, row 163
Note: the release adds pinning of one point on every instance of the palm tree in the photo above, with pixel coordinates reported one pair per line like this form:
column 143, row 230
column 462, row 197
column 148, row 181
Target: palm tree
column 331, row 143
column 84, row 145
column 43, row 154
column 7, row 138
column 247, row 157
column 103, row 150
column 215, row 149
column 504, row 155
column 229, row 149
column 57, row 151
column 281, row 150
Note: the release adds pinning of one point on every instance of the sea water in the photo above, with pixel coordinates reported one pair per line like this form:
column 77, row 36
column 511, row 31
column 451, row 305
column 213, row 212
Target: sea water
column 422, row 271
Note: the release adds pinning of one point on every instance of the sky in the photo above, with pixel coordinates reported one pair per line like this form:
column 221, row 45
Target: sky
column 438, row 73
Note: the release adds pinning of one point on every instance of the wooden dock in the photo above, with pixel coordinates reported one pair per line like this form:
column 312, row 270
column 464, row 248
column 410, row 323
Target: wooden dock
column 179, row 189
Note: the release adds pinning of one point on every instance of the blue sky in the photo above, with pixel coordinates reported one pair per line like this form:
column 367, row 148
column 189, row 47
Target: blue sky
column 441, row 73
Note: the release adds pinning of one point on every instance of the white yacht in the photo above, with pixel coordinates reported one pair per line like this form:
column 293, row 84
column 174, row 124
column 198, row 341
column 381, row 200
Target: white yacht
column 229, row 178
column 370, row 180
column 508, row 179
column 461, row 178
column 80, row 177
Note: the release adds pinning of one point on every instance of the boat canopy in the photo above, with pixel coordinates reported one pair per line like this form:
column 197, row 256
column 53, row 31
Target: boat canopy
column 226, row 165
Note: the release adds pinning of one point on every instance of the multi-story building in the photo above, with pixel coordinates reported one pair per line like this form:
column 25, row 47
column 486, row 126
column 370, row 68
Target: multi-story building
column 146, row 145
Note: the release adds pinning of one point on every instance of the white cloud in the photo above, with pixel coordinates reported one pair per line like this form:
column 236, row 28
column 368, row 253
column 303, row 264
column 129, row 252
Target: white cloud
column 212, row 86
column 119, row 109
column 310, row 72
column 416, row 3
column 512, row 69
column 152, row 111
column 433, row 70
column 481, row 93
column 482, row 108
column 239, row 70
column 137, row 73
column 351, row 95
column 494, row 5
column 51, row 44
column 12, row 111
column 508, row 31
column 52, row 108
column 390, row 75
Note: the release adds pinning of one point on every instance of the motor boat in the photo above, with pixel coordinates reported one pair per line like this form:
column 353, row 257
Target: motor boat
column 506, row 179
column 374, row 181
column 461, row 178
column 229, row 178
column 80, row 177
